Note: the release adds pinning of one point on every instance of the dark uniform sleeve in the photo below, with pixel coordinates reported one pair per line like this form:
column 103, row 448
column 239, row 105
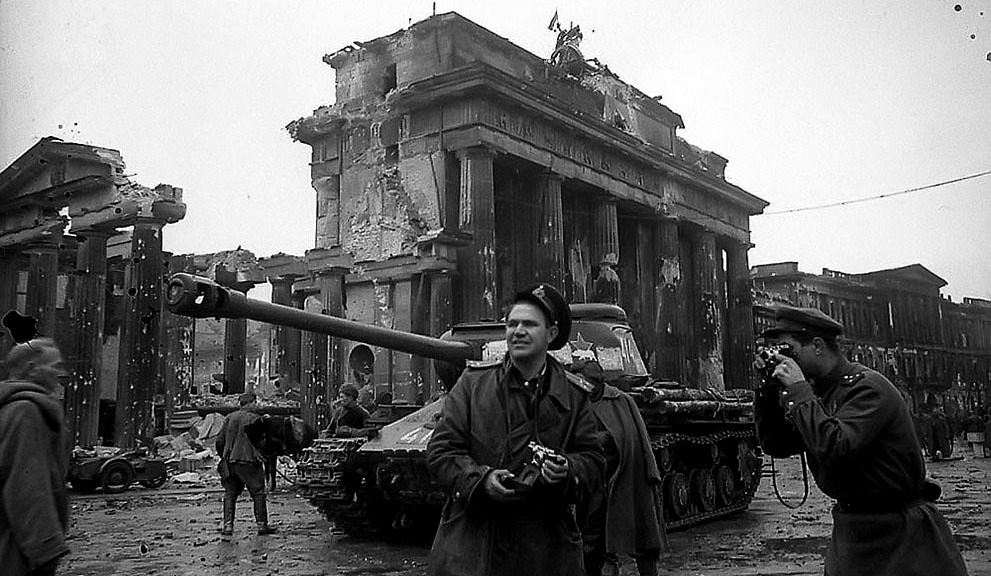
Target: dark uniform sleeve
column 221, row 441
column 28, row 495
column 450, row 465
column 777, row 435
column 867, row 407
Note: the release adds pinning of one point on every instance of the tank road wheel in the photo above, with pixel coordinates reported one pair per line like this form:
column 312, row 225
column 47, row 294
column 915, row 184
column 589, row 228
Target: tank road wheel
column 725, row 485
column 704, row 488
column 676, row 494
column 116, row 476
column 665, row 459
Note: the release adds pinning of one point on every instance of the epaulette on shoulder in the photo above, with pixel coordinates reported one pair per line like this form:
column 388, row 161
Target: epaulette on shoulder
column 482, row 364
column 851, row 379
column 579, row 381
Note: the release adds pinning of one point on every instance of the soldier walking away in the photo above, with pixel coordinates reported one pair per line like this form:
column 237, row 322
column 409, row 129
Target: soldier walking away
column 626, row 517
column 33, row 461
column 857, row 433
column 242, row 465
column 515, row 449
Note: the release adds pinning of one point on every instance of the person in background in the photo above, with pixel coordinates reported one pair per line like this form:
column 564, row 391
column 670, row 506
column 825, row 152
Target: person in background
column 862, row 450
column 627, row 516
column 242, row 466
column 349, row 419
column 34, row 458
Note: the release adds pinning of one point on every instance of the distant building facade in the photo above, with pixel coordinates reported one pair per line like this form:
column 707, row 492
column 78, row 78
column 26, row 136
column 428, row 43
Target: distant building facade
column 936, row 351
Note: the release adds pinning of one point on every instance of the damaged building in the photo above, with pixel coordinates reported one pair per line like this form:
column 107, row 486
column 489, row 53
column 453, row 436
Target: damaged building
column 938, row 352
column 455, row 168
column 81, row 254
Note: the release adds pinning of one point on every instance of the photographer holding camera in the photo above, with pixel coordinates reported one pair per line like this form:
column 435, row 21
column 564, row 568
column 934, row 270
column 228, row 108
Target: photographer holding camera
column 515, row 448
column 862, row 450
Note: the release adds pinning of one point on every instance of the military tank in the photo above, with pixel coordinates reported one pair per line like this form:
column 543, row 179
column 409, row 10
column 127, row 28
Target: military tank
column 704, row 440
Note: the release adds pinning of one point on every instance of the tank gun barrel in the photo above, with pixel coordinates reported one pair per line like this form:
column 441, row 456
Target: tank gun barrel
column 199, row 297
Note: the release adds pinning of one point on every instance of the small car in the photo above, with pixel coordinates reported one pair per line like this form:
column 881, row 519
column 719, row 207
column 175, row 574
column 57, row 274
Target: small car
column 114, row 473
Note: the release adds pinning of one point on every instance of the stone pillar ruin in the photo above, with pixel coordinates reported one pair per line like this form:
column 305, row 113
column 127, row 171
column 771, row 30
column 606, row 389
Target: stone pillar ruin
column 82, row 395
column 139, row 377
column 477, row 262
column 550, row 236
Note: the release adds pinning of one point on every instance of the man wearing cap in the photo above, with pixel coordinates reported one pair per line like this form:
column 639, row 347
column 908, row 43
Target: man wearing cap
column 507, row 513
column 242, row 465
column 862, row 450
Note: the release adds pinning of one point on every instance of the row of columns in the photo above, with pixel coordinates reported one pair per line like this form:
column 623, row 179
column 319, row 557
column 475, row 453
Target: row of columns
column 139, row 375
column 701, row 321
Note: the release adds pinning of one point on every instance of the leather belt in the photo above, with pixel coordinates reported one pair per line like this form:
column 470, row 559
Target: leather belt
column 877, row 507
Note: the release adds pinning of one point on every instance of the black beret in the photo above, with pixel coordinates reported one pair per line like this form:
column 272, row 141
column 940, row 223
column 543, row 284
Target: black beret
column 809, row 320
column 558, row 313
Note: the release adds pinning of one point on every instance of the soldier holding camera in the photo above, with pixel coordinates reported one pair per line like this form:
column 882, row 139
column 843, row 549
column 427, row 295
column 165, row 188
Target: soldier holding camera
column 515, row 448
column 862, row 450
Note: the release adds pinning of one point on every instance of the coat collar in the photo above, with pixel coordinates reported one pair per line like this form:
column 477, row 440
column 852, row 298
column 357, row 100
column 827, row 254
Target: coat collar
column 557, row 388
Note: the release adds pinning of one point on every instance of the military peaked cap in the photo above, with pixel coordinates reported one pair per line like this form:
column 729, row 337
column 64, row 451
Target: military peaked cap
column 789, row 319
column 558, row 313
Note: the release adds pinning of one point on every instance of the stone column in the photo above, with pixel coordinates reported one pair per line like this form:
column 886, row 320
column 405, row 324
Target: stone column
column 606, row 232
column 235, row 346
column 87, row 309
column 43, row 284
column 331, row 283
column 11, row 264
column 179, row 334
column 669, row 318
column 440, row 320
column 709, row 318
column 286, row 339
column 138, row 375
column 741, row 318
column 606, row 286
column 476, row 216
column 313, row 402
column 550, row 236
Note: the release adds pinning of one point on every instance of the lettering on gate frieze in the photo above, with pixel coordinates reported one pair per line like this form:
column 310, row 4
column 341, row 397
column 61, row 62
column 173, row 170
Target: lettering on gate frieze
column 564, row 143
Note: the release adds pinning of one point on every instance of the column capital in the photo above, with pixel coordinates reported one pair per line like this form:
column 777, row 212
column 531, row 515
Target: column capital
column 475, row 153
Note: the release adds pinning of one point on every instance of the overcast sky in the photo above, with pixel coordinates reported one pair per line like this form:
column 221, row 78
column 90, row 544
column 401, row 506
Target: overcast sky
column 811, row 102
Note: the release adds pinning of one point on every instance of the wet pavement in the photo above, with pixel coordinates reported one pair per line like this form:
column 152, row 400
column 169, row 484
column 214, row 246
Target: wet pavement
column 172, row 531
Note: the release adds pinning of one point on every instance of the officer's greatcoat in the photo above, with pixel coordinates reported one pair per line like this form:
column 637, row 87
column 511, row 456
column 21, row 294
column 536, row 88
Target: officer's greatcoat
column 488, row 420
column 863, row 452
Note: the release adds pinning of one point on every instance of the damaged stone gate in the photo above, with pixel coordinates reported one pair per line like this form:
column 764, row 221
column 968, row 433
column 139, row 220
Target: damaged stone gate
column 456, row 167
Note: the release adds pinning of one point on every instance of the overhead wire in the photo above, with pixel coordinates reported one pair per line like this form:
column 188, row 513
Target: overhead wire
column 877, row 197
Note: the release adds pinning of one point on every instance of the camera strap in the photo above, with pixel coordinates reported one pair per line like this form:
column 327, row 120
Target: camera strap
column 805, row 483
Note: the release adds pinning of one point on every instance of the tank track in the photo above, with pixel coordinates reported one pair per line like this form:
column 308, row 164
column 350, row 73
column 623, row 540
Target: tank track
column 695, row 507
column 323, row 479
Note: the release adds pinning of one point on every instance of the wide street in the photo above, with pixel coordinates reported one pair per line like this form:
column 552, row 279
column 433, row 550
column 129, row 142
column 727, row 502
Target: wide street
column 175, row 531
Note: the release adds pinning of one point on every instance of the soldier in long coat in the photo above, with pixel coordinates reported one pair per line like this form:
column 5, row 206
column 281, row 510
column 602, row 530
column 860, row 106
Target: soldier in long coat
column 862, row 450
column 626, row 518
column 502, row 517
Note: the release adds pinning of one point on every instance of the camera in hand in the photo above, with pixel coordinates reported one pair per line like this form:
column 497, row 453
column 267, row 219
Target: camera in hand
column 527, row 477
column 766, row 359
